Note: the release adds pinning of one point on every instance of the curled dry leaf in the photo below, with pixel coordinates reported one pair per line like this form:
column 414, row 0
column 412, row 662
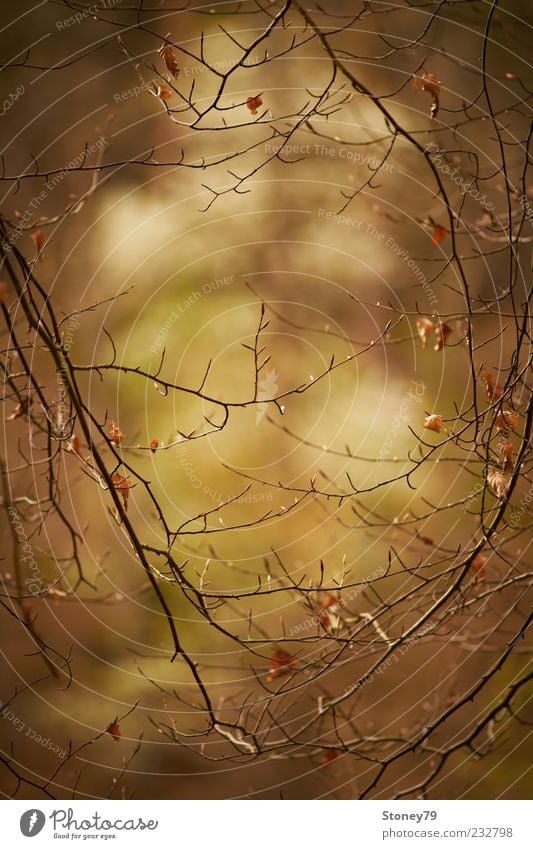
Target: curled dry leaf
column 21, row 408
column 498, row 482
column 253, row 104
column 494, row 389
column 506, row 420
column 38, row 239
column 328, row 757
column 153, row 445
column 327, row 615
column 328, row 600
column 439, row 234
column 424, row 327
column 123, row 486
column 426, row 540
column 169, row 58
column 433, row 422
column 507, row 451
column 442, row 332
column 115, row 434
column 56, row 595
column 429, row 82
column 280, row 664
column 464, row 329
column 478, row 567
column 163, row 92
column 114, row 730
column 74, row 445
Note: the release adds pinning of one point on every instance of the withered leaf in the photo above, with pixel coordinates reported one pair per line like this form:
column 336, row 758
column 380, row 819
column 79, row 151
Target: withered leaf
column 498, row 482
column 329, row 756
column 163, row 92
column 21, row 408
column 506, row 420
column 439, row 234
column 280, row 664
column 429, row 82
column 478, row 567
column 38, row 239
column 114, row 730
column 169, row 58
column 442, row 332
column 433, row 422
column 425, row 328
column 253, row 104
column 494, row 390
column 123, row 486
column 115, row 434
column 426, row 540
column 74, row 445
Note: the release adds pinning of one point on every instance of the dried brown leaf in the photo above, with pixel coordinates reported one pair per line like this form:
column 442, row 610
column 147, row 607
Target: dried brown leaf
column 115, row 434
column 442, row 332
column 425, row 328
column 439, row 234
column 123, row 486
column 498, row 482
column 21, row 408
column 253, row 104
column 169, row 58
column 114, row 730
column 429, row 82
column 280, row 664
column 38, row 239
column 433, row 422
column 163, row 92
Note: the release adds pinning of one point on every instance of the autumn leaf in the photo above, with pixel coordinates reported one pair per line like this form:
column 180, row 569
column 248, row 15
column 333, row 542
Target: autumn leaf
column 478, row 567
column 56, row 595
column 4, row 289
column 169, row 58
column 21, row 408
column 123, row 486
column 442, row 332
column 115, row 434
column 114, row 730
column 280, row 664
column 74, row 445
column 163, row 92
column 328, row 600
column 328, row 757
column 433, row 422
column 499, row 483
column 494, row 390
column 429, row 82
column 424, row 327
column 253, row 104
column 439, row 234
column 507, row 451
column 27, row 609
column 153, row 445
column 506, row 420
column 38, row 239
column 426, row 540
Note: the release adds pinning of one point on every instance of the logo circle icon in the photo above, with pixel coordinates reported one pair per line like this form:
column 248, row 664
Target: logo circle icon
column 32, row 822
